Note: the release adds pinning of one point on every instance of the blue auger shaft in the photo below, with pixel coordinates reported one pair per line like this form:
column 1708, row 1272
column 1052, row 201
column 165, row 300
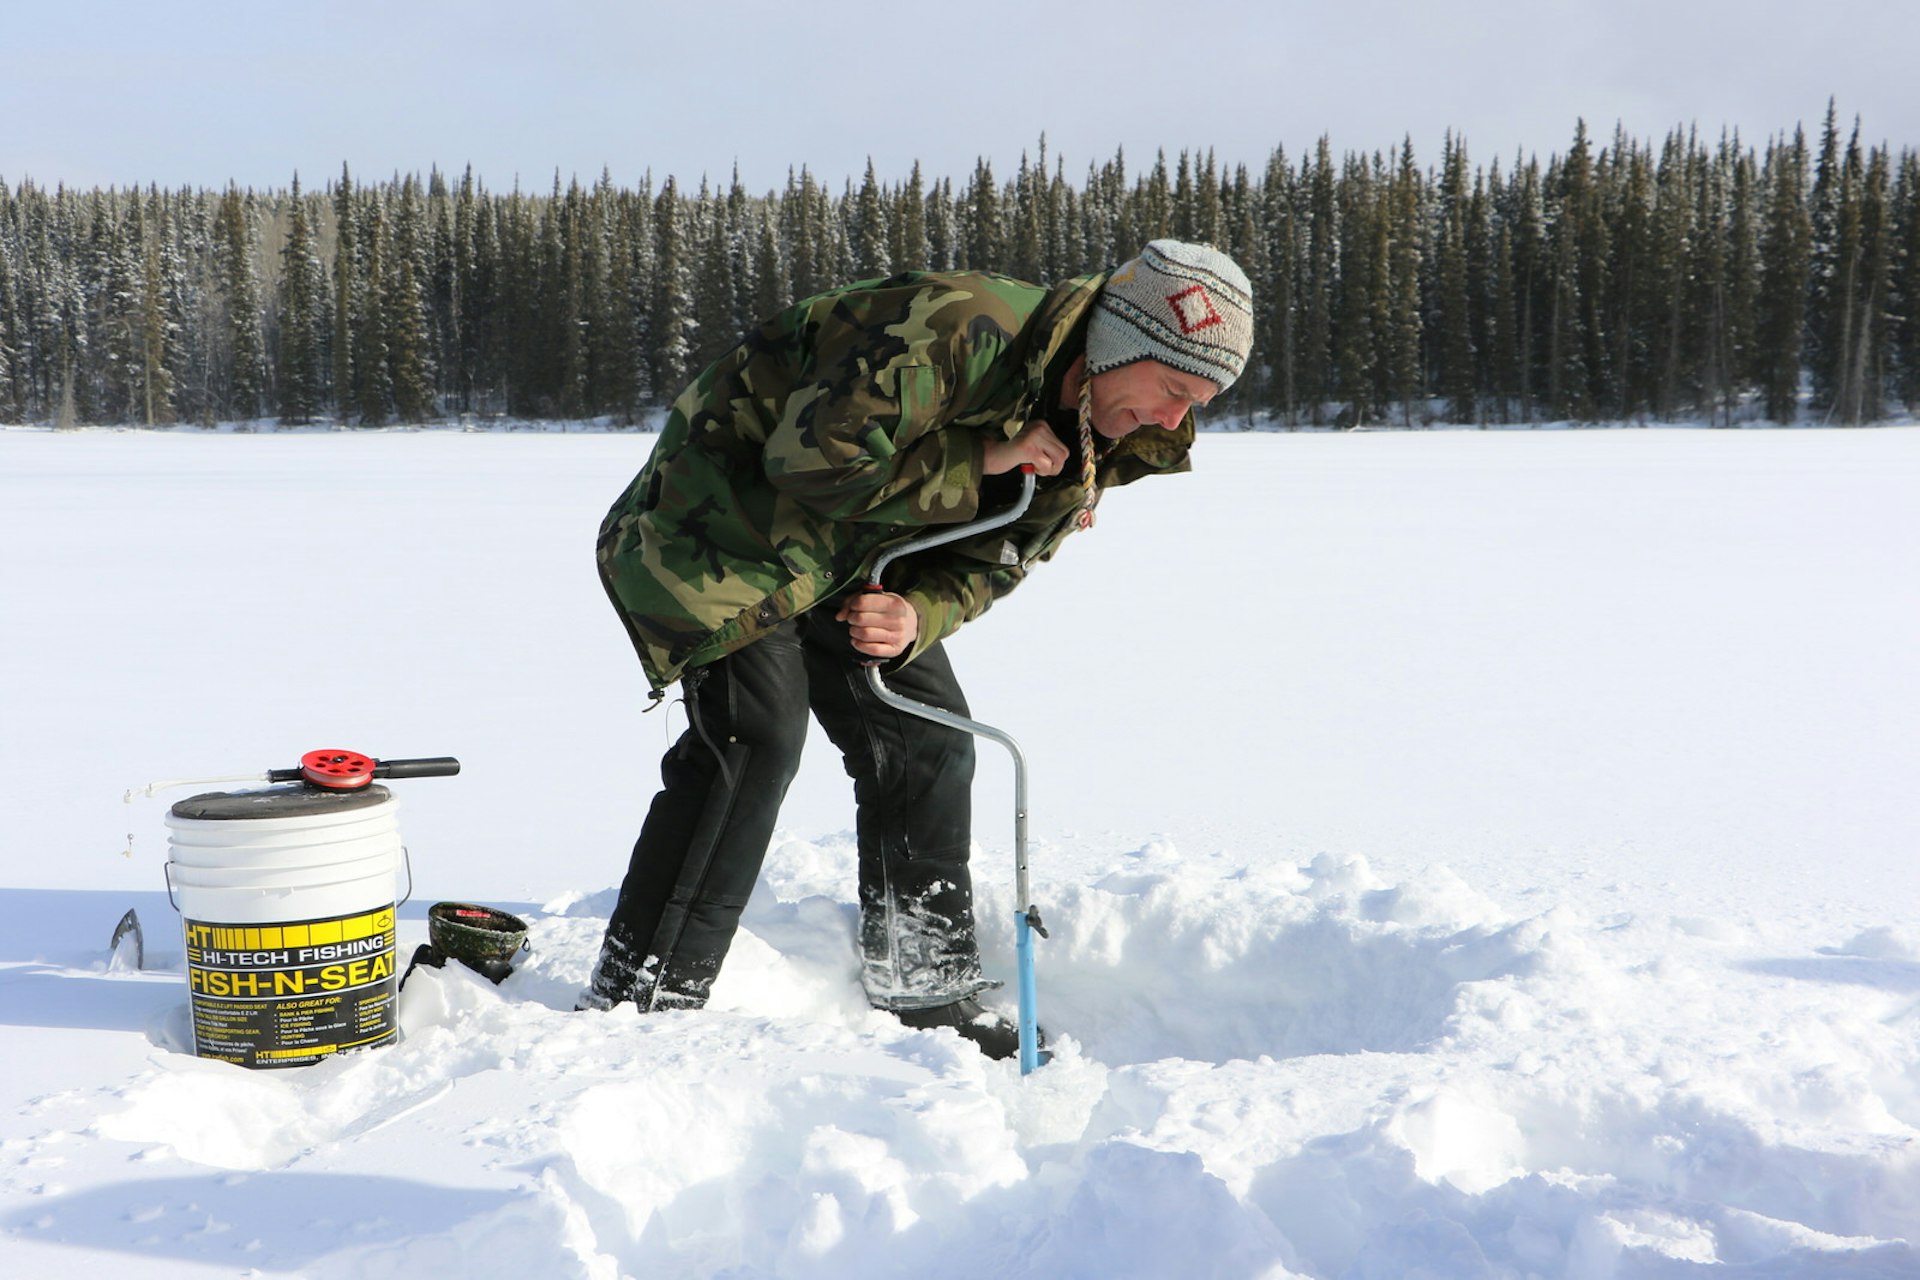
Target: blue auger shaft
column 1029, row 1016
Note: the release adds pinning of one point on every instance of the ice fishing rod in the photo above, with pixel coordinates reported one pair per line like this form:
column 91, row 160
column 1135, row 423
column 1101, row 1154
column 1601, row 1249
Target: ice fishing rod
column 330, row 768
column 1027, row 916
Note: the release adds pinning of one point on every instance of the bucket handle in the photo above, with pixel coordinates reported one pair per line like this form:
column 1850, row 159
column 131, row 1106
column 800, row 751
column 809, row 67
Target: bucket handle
column 167, row 869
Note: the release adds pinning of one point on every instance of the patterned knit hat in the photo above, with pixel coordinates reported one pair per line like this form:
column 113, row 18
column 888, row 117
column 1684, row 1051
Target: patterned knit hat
column 1186, row 305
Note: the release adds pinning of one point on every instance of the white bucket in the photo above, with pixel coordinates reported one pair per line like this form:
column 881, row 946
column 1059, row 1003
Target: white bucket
column 288, row 897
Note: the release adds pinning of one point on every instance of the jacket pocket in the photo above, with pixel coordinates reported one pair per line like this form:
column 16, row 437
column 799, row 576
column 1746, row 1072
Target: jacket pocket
column 918, row 394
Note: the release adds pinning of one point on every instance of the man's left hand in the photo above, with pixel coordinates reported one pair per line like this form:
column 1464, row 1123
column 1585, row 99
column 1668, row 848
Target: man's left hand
column 883, row 625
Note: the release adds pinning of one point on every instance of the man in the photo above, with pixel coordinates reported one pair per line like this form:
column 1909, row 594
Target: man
column 852, row 421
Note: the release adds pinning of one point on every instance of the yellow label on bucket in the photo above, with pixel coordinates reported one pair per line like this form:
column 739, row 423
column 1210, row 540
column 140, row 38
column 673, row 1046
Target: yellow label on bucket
column 290, row 994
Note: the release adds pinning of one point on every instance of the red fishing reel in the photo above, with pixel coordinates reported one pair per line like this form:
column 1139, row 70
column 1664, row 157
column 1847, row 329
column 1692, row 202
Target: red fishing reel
column 338, row 770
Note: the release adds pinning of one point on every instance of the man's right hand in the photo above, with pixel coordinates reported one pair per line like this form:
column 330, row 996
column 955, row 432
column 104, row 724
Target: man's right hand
column 1035, row 444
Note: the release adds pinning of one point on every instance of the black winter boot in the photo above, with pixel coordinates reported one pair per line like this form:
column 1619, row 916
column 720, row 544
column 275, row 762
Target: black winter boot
column 996, row 1036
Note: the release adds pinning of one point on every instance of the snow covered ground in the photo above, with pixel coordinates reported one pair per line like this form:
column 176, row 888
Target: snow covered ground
column 1467, row 855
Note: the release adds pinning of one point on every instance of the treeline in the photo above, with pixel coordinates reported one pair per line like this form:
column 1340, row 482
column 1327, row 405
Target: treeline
column 1695, row 280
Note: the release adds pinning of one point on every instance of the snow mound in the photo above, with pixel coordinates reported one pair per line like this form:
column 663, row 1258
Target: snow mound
column 1261, row 1071
column 1148, row 964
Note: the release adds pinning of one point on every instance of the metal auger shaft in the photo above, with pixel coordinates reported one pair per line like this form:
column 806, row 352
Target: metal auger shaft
column 1026, row 915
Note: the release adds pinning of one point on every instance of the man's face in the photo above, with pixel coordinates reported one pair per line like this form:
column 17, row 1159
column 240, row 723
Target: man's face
column 1145, row 393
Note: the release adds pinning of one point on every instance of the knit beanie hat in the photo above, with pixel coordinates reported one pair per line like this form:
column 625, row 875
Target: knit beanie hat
column 1186, row 305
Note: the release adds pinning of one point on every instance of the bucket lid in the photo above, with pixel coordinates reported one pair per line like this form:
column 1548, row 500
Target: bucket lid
column 295, row 800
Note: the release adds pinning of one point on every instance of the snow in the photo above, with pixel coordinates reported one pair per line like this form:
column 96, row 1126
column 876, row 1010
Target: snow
column 1465, row 854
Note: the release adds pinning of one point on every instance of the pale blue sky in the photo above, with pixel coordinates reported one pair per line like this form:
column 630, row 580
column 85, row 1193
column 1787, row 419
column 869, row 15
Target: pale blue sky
column 197, row 92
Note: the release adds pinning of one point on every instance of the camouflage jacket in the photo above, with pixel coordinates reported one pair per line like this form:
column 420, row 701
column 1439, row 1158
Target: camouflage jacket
column 849, row 422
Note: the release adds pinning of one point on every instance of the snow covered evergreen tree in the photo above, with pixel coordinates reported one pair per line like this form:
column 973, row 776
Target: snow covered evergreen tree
column 1321, row 280
column 408, row 309
column 1275, row 317
column 301, row 379
column 1453, row 363
column 1025, row 245
column 943, row 227
column 11, row 397
column 869, row 232
column 910, row 248
column 349, row 293
column 239, row 277
column 1785, row 277
column 1742, row 287
column 674, row 321
column 373, row 374
column 638, row 234
column 1904, row 311
column 1362, row 265
column 984, row 234
column 1405, row 232
column 716, row 285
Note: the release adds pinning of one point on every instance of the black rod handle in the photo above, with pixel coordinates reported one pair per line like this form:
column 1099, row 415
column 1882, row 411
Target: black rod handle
column 427, row 767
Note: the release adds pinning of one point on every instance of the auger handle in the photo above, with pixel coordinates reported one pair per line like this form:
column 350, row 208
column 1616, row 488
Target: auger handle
column 940, row 537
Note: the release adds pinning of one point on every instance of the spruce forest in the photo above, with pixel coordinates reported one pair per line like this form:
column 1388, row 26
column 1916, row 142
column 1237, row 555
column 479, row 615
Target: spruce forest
column 1698, row 281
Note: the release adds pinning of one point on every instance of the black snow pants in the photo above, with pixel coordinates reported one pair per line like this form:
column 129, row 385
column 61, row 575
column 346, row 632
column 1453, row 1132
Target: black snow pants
column 706, row 835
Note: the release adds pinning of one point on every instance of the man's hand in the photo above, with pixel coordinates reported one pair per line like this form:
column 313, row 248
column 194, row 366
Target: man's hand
column 1036, row 444
column 883, row 625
